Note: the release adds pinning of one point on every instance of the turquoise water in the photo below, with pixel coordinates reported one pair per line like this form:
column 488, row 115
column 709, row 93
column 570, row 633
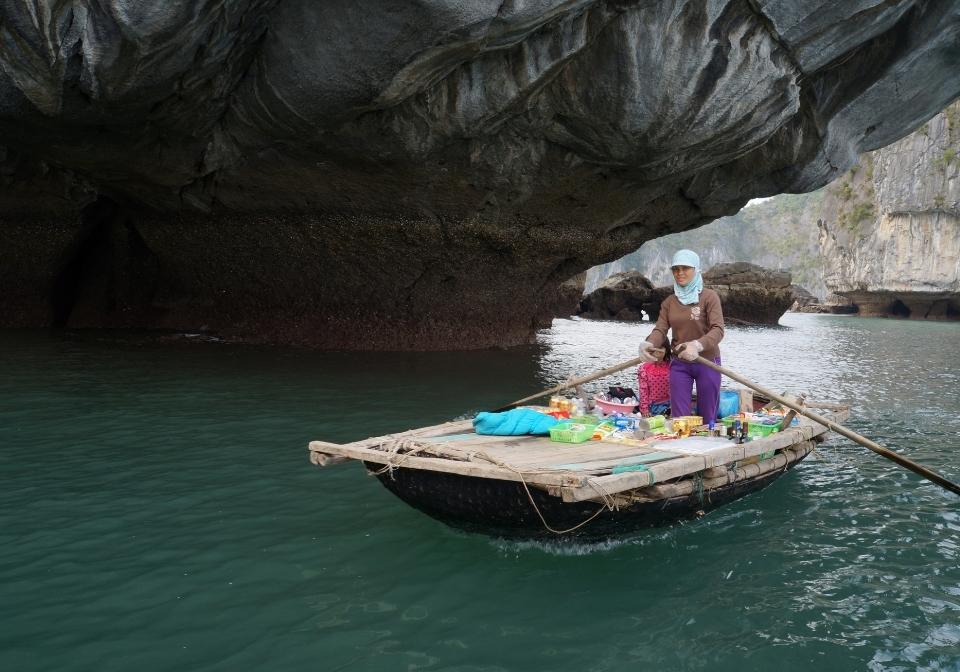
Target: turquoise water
column 158, row 512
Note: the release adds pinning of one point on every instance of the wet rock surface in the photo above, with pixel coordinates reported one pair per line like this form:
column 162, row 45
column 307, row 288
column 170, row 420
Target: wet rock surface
column 571, row 292
column 801, row 297
column 623, row 296
column 834, row 304
column 426, row 178
column 749, row 294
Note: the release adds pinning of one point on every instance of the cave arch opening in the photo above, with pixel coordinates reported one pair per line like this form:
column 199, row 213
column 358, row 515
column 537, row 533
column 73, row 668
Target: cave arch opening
column 96, row 219
column 898, row 309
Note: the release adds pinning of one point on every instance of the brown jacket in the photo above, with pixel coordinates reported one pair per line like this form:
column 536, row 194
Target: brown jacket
column 701, row 321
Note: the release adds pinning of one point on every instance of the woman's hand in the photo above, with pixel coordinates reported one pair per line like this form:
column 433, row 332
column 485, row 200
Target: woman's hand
column 689, row 351
column 646, row 353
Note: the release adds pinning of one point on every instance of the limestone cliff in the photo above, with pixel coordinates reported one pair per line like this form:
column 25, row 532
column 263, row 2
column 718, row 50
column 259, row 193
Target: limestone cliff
column 890, row 229
column 778, row 234
column 423, row 175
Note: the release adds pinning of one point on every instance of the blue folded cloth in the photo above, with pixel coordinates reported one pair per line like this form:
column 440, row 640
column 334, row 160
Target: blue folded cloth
column 515, row 422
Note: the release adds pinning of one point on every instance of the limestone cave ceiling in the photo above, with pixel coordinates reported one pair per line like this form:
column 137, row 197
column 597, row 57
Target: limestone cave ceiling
column 416, row 166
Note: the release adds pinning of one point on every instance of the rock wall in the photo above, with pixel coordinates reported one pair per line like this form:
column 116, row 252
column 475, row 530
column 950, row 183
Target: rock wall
column 890, row 229
column 779, row 233
column 749, row 294
column 334, row 174
column 623, row 296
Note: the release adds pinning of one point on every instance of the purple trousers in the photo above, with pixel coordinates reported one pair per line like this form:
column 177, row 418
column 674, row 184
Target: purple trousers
column 682, row 377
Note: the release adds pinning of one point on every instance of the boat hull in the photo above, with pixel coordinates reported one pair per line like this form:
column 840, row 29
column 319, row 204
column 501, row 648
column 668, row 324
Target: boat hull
column 503, row 508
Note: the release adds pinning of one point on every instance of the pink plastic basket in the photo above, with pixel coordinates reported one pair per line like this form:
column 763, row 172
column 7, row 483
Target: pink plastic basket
column 609, row 407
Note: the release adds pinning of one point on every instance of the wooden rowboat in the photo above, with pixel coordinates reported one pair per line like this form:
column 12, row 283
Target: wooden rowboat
column 532, row 487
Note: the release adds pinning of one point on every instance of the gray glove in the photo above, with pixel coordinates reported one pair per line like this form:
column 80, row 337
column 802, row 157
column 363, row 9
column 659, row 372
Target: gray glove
column 690, row 350
column 645, row 354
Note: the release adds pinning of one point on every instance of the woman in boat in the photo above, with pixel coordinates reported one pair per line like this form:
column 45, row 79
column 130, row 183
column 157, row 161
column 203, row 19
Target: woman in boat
column 694, row 317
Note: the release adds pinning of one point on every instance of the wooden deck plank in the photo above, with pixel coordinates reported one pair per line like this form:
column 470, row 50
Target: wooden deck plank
column 451, row 427
column 450, row 438
column 606, row 465
column 561, row 454
column 441, row 464
column 531, row 449
column 471, row 439
column 521, row 452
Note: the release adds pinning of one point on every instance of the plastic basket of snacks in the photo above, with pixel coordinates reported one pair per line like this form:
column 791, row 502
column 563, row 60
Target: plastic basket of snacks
column 762, row 429
column 571, row 432
column 585, row 420
column 755, row 427
column 690, row 420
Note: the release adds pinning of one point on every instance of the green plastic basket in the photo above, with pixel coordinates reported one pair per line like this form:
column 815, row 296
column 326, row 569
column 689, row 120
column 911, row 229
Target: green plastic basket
column 566, row 432
column 584, row 420
column 756, row 429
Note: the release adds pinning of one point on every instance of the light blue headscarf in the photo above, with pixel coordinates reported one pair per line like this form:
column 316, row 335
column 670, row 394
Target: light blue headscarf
column 690, row 293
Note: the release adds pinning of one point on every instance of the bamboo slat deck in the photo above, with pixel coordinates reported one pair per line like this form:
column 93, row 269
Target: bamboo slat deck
column 575, row 472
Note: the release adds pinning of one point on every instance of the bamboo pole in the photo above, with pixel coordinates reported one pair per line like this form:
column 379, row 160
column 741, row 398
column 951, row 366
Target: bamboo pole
column 573, row 382
column 839, row 429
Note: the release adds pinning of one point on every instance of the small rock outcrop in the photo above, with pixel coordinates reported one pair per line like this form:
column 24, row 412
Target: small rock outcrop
column 623, row 296
column 750, row 294
column 834, row 304
column 801, row 298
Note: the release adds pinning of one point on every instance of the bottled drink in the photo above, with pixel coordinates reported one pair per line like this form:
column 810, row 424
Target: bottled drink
column 656, row 421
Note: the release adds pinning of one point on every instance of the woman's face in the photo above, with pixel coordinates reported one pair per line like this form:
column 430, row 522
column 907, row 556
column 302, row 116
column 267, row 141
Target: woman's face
column 682, row 274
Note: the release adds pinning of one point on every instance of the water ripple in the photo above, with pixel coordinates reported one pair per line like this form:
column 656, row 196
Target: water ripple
column 158, row 512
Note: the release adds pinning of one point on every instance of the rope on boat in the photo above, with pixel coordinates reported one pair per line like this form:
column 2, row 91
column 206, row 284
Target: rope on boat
column 698, row 486
column 544, row 520
column 608, row 502
column 412, row 447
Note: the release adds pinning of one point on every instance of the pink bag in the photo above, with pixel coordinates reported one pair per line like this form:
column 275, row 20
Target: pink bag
column 653, row 378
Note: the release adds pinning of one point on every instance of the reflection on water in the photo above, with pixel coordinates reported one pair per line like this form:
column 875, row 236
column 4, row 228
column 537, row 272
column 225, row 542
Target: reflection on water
column 158, row 512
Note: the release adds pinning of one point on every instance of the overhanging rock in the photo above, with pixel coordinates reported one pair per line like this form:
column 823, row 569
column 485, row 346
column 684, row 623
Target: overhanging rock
column 331, row 174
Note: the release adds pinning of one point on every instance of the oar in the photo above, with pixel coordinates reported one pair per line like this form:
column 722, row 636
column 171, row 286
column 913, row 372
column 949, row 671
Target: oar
column 839, row 429
column 573, row 382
